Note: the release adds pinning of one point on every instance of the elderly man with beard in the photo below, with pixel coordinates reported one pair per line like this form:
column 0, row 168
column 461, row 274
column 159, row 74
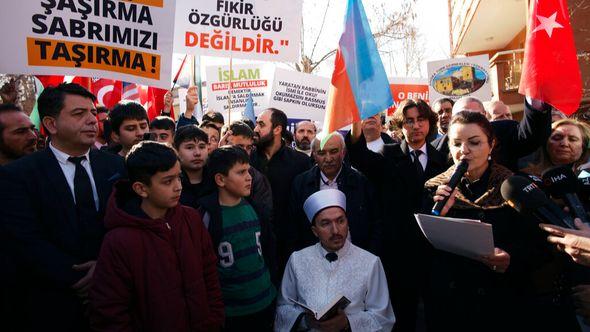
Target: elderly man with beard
column 17, row 134
column 280, row 164
column 305, row 132
column 332, row 173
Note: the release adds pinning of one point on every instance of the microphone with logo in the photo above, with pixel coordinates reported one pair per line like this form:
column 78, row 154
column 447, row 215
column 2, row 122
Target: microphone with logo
column 526, row 198
column 453, row 182
column 562, row 183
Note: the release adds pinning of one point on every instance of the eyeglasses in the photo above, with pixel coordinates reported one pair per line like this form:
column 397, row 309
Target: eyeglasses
column 411, row 122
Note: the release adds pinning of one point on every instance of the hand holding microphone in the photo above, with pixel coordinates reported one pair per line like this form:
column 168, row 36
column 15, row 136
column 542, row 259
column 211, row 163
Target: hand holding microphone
column 445, row 194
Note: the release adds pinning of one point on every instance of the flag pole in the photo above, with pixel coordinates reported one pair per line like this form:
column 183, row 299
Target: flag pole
column 178, row 73
column 231, row 74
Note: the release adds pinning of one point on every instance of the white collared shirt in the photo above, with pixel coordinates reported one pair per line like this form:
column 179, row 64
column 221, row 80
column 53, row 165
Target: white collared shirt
column 423, row 158
column 376, row 145
column 329, row 184
column 69, row 170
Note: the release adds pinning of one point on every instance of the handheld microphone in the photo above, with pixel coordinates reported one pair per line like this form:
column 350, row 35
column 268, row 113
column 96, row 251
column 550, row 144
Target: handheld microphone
column 526, row 198
column 453, row 182
column 563, row 183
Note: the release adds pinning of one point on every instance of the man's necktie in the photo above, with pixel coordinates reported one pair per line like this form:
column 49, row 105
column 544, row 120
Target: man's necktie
column 82, row 186
column 419, row 170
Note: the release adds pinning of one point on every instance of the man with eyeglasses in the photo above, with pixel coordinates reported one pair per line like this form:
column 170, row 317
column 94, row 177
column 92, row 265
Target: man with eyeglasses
column 399, row 173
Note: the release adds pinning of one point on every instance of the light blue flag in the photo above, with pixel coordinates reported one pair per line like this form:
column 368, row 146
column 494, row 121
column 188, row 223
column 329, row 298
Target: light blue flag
column 249, row 110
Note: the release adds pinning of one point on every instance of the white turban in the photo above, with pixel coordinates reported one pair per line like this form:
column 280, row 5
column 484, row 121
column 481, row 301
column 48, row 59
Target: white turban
column 323, row 199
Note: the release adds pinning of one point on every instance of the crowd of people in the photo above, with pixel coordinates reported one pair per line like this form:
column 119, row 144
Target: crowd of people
column 113, row 222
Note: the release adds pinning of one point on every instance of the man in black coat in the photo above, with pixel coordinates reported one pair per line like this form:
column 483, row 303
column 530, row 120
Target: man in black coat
column 399, row 173
column 52, row 210
column 280, row 164
column 331, row 172
column 513, row 139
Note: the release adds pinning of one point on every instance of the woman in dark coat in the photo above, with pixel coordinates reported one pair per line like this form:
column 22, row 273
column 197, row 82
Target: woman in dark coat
column 520, row 286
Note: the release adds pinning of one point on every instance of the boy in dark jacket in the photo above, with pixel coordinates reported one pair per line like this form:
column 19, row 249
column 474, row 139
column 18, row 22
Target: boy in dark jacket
column 244, row 243
column 192, row 143
column 156, row 268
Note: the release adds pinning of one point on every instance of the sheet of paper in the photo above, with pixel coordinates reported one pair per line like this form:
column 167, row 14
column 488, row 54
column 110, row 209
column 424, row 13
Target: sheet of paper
column 465, row 237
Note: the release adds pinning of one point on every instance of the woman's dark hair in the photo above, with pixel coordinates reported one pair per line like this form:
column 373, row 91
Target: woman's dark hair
column 467, row 117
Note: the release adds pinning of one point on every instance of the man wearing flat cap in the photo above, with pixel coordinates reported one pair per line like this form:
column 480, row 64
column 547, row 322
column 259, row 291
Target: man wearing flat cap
column 334, row 267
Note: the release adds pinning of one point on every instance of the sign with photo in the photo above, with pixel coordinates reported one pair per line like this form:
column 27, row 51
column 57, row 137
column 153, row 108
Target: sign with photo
column 460, row 77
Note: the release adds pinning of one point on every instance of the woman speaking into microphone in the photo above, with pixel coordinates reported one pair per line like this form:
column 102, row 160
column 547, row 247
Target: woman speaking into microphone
column 496, row 292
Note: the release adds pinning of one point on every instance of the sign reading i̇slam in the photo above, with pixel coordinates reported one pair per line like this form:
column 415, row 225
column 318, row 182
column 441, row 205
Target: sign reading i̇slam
column 128, row 40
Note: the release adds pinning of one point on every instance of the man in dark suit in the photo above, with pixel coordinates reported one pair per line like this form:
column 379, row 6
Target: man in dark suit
column 280, row 164
column 513, row 139
column 399, row 173
column 362, row 210
column 53, row 205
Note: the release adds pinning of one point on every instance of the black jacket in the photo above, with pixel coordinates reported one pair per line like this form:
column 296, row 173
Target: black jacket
column 210, row 204
column 280, row 171
column 513, row 139
column 400, row 191
column 40, row 221
column 467, row 295
column 362, row 209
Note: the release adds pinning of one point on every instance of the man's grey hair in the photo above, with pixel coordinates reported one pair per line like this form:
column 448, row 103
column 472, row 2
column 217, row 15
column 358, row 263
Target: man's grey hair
column 461, row 104
column 315, row 144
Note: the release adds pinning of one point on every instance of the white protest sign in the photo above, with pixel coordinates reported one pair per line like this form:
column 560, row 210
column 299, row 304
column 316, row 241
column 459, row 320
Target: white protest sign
column 94, row 38
column 268, row 30
column 300, row 95
column 460, row 77
column 255, row 78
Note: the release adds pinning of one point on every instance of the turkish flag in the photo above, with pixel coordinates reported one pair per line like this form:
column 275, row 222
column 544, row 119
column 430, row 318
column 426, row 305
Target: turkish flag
column 50, row 80
column 152, row 100
column 551, row 72
column 107, row 92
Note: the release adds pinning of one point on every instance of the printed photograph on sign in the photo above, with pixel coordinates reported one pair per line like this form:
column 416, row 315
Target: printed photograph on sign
column 460, row 77
column 457, row 80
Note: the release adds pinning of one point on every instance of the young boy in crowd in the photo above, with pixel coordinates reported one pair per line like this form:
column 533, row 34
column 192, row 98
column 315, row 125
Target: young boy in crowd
column 244, row 243
column 241, row 135
column 156, row 270
column 163, row 128
column 129, row 122
column 213, row 132
column 191, row 144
